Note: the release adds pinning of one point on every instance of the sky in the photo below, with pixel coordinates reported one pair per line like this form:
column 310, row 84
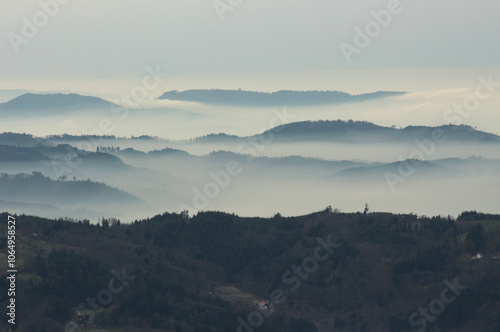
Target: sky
column 440, row 52
column 105, row 46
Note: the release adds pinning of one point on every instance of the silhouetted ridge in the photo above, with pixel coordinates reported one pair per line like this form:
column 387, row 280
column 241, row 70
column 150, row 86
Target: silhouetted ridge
column 53, row 101
column 278, row 98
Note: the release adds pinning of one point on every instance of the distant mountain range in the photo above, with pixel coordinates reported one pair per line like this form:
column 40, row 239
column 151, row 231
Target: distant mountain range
column 306, row 131
column 121, row 179
column 33, row 102
column 278, row 98
column 60, row 103
column 358, row 132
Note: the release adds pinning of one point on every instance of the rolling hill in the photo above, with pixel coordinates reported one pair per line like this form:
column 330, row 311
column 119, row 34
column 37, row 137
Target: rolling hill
column 358, row 132
column 50, row 101
column 45, row 104
column 278, row 98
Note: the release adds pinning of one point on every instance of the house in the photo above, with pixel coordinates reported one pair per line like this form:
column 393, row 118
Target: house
column 477, row 256
column 263, row 305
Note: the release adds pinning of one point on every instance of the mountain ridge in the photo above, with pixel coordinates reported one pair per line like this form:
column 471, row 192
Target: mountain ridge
column 322, row 130
column 357, row 132
column 30, row 101
column 277, row 98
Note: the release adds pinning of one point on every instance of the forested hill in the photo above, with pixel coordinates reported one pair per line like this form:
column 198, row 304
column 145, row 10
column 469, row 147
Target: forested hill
column 372, row 272
column 361, row 132
column 278, row 98
column 56, row 100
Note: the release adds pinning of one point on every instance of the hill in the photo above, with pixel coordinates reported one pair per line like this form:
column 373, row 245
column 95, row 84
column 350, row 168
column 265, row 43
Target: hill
column 58, row 102
column 358, row 132
column 363, row 131
column 40, row 189
column 79, row 195
column 19, row 139
column 278, row 98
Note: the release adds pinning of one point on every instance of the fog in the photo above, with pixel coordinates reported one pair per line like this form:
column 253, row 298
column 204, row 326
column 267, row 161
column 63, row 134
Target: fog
column 172, row 180
column 266, row 180
column 185, row 120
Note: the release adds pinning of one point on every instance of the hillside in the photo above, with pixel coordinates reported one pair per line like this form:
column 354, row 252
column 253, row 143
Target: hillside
column 18, row 139
column 278, row 98
column 205, row 272
column 67, row 197
column 40, row 189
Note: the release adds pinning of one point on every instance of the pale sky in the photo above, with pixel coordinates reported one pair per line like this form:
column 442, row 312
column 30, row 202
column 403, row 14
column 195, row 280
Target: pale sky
column 103, row 40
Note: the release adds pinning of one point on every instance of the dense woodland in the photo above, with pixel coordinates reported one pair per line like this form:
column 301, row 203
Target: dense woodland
column 385, row 267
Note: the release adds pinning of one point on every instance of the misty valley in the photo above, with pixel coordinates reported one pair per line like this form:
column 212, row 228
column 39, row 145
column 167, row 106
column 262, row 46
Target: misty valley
column 300, row 225
column 249, row 166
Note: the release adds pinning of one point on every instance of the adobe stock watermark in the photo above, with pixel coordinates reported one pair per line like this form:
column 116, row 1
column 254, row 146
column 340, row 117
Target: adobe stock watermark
column 253, row 145
column 427, row 147
column 407, row 167
column 363, row 37
column 437, row 306
column 86, row 310
column 221, row 179
column 293, row 276
column 93, row 138
column 30, row 28
column 223, row 6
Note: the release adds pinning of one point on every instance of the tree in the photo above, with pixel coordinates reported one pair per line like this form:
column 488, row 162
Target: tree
column 477, row 236
column 185, row 215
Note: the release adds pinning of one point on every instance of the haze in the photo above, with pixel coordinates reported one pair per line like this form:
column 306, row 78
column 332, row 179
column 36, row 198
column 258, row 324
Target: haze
column 439, row 54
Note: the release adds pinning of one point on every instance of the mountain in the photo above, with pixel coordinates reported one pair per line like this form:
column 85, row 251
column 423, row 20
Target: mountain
column 9, row 153
column 59, row 102
column 343, row 131
column 358, row 132
column 278, row 98
column 59, row 153
column 461, row 133
column 362, row 131
column 36, row 188
column 19, row 139
column 66, row 198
